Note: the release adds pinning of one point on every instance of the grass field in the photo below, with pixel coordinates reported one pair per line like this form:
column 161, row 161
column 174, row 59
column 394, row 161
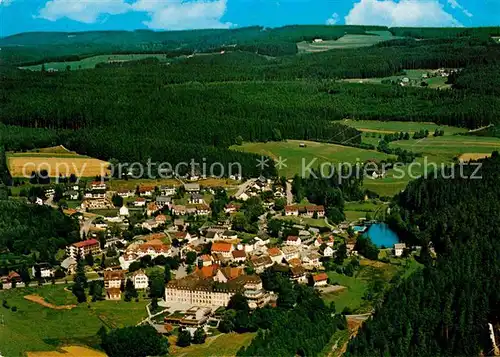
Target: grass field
column 220, row 345
column 322, row 152
column 347, row 41
column 389, row 127
column 319, row 223
column 37, row 328
column 356, row 210
column 414, row 75
column 56, row 160
column 90, row 62
column 132, row 184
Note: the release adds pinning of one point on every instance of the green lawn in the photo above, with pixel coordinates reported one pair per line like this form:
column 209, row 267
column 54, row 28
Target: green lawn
column 37, row 328
column 356, row 210
column 414, row 75
column 350, row 297
column 298, row 157
column 220, row 345
column 320, row 222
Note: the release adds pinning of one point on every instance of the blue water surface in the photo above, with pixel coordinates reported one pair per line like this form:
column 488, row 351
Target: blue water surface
column 382, row 236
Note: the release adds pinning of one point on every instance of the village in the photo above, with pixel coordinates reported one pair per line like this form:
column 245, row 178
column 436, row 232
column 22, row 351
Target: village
column 128, row 236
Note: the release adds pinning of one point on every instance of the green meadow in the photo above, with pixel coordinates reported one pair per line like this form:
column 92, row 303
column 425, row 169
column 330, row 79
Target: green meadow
column 34, row 327
column 388, row 127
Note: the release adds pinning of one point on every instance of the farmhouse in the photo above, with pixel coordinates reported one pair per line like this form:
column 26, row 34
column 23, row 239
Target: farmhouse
column 276, row 255
column 310, row 211
column 146, row 190
column 85, row 247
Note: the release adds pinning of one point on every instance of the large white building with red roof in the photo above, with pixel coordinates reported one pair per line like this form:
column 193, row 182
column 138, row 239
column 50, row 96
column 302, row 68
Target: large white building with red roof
column 84, row 247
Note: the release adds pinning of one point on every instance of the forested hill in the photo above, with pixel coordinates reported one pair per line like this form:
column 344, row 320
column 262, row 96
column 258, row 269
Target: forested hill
column 444, row 310
column 38, row 47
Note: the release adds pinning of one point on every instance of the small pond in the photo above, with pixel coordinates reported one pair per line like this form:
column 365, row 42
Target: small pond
column 382, row 236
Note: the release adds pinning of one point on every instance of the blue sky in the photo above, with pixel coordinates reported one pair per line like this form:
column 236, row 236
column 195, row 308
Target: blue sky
column 81, row 15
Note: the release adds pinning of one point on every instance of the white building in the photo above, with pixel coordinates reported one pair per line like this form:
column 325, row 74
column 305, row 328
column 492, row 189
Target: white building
column 328, row 252
column 399, row 248
column 140, row 280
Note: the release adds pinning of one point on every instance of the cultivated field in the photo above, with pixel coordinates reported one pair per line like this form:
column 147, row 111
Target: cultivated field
column 56, row 161
column 347, row 41
column 36, row 328
column 90, row 62
column 321, row 152
column 389, row 127
column 69, row 351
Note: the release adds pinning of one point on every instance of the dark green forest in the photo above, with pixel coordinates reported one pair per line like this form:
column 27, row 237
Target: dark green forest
column 444, row 309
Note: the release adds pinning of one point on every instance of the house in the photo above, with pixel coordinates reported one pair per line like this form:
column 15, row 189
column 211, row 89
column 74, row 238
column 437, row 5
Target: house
column 182, row 236
column 242, row 196
column 222, row 248
column 293, row 240
column 98, row 185
column 140, row 280
column 113, row 294
column 150, row 224
column 167, row 190
column 311, row 259
column 179, row 210
column 12, row 277
column 95, row 194
column 211, row 236
column 163, row 201
column 114, row 279
column 223, row 275
column 123, row 212
column 310, row 211
column 290, row 252
column 232, row 208
column 239, row 256
column 125, row 193
column 90, row 246
column 291, row 211
column 320, row 279
column 328, row 241
column 294, row 262
column 328, row 252
column 146, row 190
column 205, row 260
column 260, row 263
column 276, row 255
column 161, row 219
column 140, row 202
column 202, row 209
column 69, row 265
column 152, row 207
column 45, row 270
column 196, row 198
column 298, row 274
column 154, row 249
column 192, row 187
column 399, row 249
column 127, row 259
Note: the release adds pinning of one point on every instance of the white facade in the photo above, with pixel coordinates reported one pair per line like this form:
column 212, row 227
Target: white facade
column 140, row 281
column 198, row 297
column 328, row 252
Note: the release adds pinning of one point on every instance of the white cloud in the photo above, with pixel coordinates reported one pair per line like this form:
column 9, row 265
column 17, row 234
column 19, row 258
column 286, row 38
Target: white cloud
column 87, row 11
column 180, row 15
column 455, row 5
column 333, row 19
column 163, row 14
column 403, row 13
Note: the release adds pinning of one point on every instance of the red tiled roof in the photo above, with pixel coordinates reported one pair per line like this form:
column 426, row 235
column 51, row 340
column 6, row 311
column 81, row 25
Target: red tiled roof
column 145, row 188
column 292, row 238
column 239, row 254
column 206, row 258
column 315, row 208
column 320, row 277
column 221, row 247
column 207, row 272
column 291, row 208
column 274, row 252
column 85, row 243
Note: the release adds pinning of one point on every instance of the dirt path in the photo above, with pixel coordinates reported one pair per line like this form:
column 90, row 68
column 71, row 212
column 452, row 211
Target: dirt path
column 40, row 300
